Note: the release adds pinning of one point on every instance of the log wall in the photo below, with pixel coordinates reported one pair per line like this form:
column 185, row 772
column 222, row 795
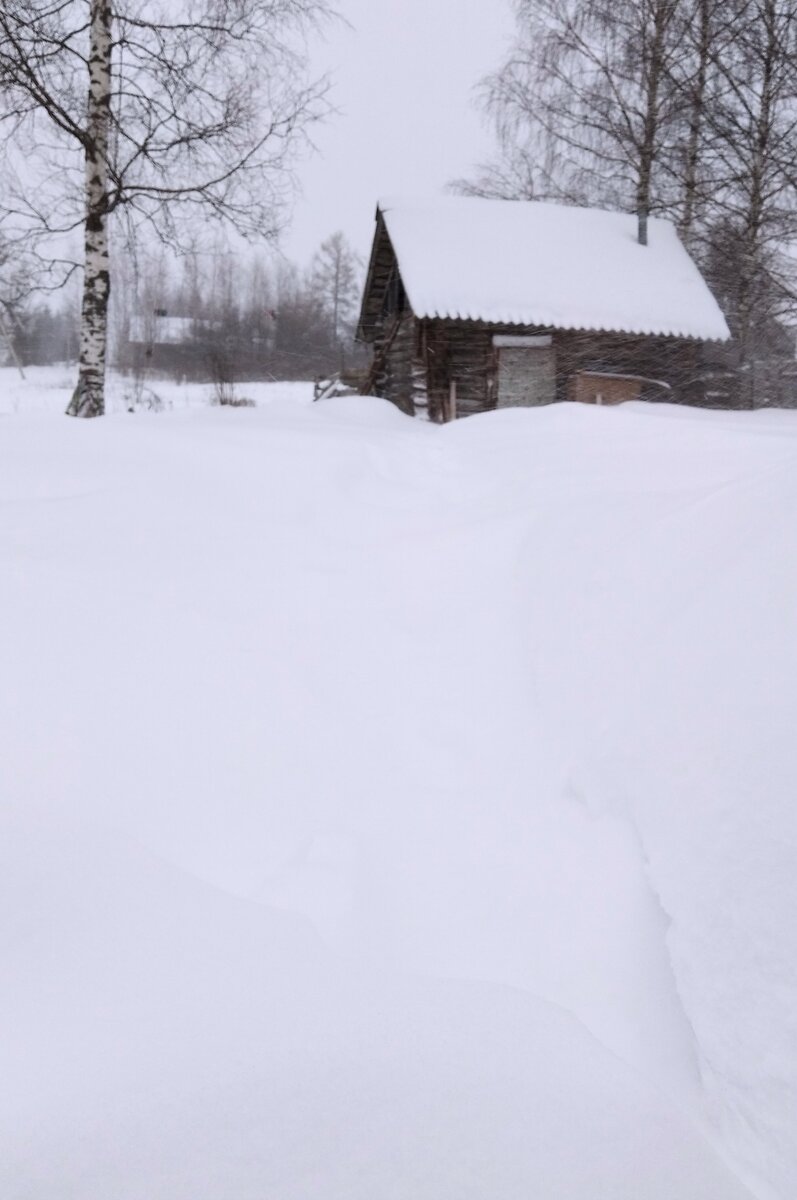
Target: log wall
column 395, row 370
column 417, row 361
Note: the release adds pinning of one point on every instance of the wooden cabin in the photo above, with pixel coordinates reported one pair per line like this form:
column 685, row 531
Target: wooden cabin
column 472, row 304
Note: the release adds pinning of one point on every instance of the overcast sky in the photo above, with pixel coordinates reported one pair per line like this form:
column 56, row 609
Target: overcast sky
column 403, row 76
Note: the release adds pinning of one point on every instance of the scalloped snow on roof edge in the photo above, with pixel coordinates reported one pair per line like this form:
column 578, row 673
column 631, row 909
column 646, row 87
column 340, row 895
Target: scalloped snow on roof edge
column 528, row 320
column 527, row 263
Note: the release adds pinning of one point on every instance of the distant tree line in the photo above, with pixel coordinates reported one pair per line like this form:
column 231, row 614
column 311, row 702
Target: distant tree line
column 679, row 108
column 212, row 315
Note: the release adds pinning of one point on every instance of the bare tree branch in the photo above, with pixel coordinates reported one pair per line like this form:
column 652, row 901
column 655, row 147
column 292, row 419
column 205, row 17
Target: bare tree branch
column 202, row 108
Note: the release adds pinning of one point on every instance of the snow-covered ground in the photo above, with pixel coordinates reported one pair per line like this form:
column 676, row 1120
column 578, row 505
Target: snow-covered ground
column 396, row 812
column 47, row 390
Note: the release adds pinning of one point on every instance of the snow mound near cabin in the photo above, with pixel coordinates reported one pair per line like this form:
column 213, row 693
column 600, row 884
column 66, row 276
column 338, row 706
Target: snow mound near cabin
column 394, row 807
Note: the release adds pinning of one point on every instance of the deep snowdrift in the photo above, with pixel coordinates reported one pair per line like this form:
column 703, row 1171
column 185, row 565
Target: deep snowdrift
column 397, row 811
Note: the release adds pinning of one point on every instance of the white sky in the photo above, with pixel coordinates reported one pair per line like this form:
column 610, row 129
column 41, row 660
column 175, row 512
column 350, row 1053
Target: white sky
column 403, row 75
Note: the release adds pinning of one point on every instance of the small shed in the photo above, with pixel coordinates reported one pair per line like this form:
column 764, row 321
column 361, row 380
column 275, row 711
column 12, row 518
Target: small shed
column 472, row 304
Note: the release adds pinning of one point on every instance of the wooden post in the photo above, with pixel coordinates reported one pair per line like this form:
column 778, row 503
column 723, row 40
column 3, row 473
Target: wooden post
column 451, row 414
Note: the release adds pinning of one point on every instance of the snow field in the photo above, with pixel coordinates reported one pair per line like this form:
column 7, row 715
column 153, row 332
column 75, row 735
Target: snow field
column 393, row 810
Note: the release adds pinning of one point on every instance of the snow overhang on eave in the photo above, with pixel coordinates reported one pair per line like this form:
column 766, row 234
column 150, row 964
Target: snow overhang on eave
column 538, row 322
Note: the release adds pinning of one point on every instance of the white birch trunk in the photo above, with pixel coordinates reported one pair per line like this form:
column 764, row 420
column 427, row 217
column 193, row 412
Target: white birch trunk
column 88, row 399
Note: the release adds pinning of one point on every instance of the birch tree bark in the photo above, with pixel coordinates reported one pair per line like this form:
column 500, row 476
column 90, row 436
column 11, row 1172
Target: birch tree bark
column 88, row 399
column 751, row 267
column 195, row 112
column 700, row 38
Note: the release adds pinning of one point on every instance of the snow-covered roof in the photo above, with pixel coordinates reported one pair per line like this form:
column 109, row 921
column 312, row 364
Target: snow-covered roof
column 526, row 263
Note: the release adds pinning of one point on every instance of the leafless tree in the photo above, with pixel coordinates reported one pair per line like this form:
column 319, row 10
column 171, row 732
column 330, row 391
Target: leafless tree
column 335, row 276
column 704, row 29
column 586, row 92
column 516, row 174
column 14, row 292
column 179, row 110
column 755, row 129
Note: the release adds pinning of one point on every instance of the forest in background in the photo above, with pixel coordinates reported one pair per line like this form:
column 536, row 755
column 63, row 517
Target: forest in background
column 215, row 314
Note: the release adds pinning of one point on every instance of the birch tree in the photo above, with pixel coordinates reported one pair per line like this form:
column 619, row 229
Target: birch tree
column 586, row 90
column 13, row 292
column 177, row 113
column 704, row 34
column 755, row 128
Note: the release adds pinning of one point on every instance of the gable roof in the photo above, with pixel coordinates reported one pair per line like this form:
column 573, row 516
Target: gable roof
column 521, row 262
